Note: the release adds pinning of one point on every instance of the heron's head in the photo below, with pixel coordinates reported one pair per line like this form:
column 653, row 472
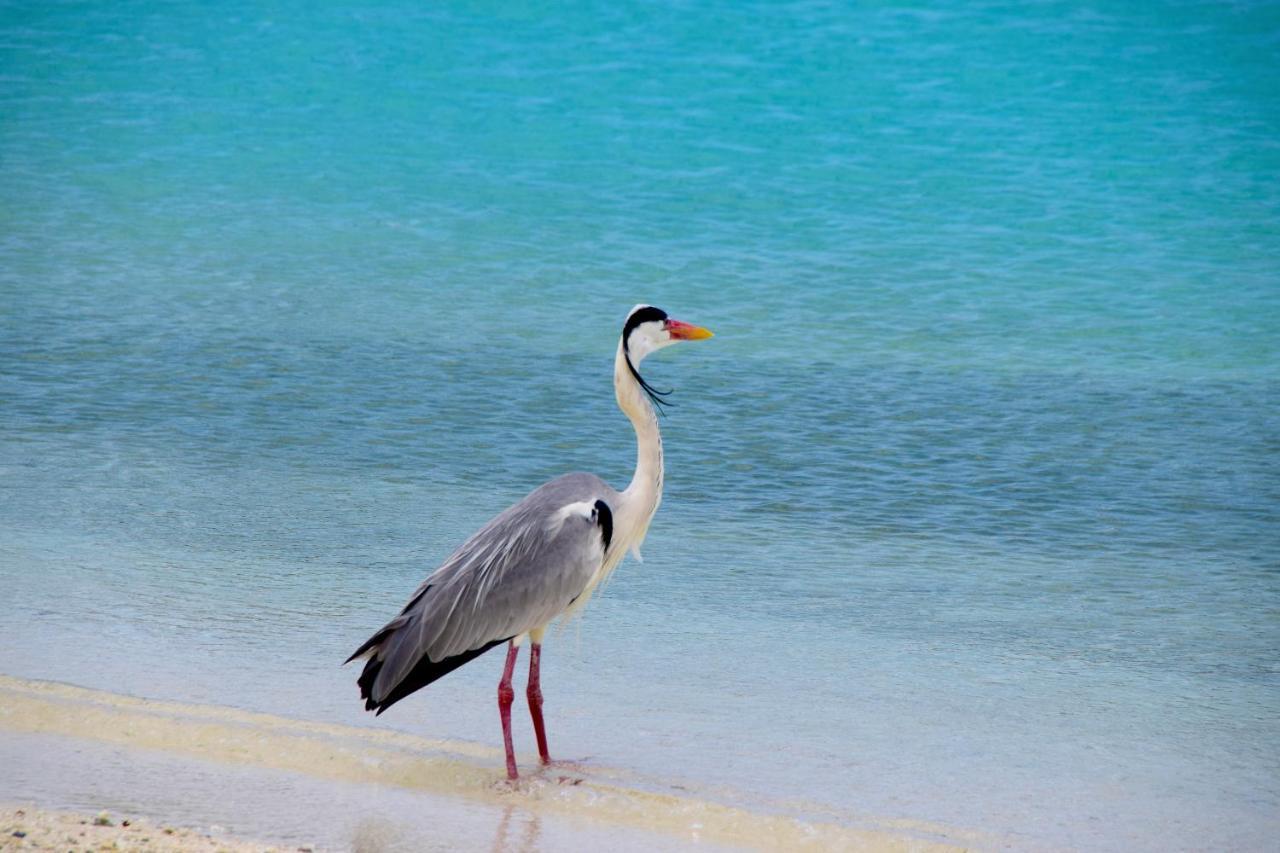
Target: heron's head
column 649, row 329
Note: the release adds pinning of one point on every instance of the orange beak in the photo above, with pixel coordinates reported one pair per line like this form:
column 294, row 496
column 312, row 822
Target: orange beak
column 681, row 331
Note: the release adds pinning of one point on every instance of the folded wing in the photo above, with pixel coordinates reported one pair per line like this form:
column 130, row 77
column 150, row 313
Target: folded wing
column 518, row 573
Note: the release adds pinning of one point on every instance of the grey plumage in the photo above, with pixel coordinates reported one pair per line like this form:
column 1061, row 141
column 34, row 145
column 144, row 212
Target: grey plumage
column 520, row 571
column 539, row 560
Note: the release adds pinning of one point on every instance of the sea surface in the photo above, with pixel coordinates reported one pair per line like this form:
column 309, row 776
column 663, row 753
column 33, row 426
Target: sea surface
column 972, row 512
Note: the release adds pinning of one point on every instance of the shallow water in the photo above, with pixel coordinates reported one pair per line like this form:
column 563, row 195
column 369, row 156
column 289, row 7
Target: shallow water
column 285, row 781
column 971, row 505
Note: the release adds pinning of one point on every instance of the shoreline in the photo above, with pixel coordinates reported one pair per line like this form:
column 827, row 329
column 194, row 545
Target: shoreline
column 330, row 785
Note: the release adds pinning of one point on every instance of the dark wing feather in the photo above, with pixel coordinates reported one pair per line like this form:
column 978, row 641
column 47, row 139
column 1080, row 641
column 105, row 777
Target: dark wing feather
column 519, row 572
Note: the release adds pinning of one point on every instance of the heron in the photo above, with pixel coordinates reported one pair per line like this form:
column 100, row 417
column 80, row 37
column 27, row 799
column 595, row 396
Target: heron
column 538, row 560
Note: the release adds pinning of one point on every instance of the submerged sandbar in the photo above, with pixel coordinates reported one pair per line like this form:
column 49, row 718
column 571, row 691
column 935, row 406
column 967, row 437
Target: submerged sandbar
column 263, row 776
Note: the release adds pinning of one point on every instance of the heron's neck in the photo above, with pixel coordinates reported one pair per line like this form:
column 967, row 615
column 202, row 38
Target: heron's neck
column 642, row 496
column 639, row 501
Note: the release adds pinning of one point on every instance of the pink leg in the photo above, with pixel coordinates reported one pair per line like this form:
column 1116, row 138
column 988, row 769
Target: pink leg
column 535, row 700
column 506, row 695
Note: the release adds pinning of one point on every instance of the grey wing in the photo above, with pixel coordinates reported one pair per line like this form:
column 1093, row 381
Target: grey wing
column 517, row 573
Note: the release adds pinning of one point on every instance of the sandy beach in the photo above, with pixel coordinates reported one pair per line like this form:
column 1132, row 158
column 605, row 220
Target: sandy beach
column 32, row 828
column 213, row 774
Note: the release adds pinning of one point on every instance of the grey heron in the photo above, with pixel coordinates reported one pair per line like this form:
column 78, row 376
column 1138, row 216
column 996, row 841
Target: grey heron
column 538, row 560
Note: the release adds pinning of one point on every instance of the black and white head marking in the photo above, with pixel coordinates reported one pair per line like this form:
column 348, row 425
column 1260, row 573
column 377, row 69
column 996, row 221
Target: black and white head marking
column 638, row 317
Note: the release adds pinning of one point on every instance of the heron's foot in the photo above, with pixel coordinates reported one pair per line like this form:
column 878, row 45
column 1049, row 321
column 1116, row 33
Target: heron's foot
column 579, row 765
column 565, row 771
column 508, row 784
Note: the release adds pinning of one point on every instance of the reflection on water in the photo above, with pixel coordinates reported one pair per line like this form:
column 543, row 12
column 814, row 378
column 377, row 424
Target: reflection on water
column 524, row 839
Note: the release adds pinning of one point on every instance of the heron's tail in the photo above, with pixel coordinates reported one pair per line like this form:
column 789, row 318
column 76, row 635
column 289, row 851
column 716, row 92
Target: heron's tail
column 423, row 673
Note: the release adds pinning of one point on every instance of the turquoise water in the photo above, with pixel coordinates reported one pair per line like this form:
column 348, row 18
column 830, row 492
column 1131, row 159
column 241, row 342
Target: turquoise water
column 972, row 504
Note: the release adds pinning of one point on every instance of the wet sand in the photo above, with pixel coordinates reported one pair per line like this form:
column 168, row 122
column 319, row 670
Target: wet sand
column 216, row 771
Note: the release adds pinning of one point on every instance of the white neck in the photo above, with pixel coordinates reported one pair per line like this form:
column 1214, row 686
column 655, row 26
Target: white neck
column 641, row 498
column 639, row 501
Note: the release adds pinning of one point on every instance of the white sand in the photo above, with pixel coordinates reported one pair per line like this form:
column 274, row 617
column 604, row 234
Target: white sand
column 30, row 828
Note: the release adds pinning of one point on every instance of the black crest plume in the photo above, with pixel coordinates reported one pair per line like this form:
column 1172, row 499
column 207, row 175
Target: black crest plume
column 645, row 315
